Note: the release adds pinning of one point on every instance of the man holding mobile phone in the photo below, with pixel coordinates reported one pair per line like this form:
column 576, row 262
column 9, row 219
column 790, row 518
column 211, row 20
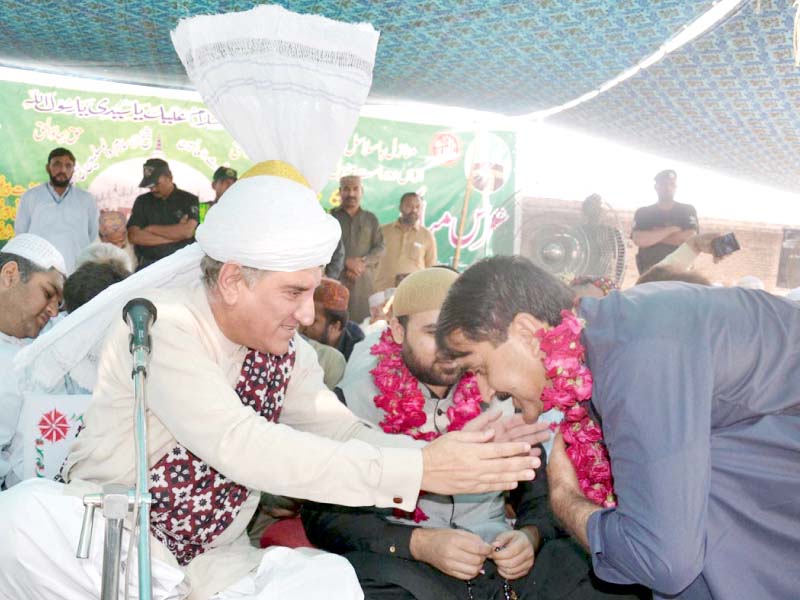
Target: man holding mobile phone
column 660, row 228
column 713, row 243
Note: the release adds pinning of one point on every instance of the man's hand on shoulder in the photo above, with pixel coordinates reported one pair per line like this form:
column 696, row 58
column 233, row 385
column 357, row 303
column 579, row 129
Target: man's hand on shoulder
column 513, row 552
column 455, row 552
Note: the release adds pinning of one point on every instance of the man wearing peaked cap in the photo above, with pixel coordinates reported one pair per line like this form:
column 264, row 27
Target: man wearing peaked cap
column 660, row 228
column 164, row 219
column 224, row 177
column 31, row 284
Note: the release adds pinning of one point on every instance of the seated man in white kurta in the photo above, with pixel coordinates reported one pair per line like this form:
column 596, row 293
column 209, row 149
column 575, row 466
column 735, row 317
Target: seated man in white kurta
column 32, row 275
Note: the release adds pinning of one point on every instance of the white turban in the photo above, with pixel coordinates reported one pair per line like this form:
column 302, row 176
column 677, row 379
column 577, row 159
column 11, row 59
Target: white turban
column 285, row 228
column 289, row 89
column 37, row 250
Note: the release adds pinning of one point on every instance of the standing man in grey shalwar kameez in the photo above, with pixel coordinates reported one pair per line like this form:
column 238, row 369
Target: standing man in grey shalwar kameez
column 363, row 245
column 698, row 393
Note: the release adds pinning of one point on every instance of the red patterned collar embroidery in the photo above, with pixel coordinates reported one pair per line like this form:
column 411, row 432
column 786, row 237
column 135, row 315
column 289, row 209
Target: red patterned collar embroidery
column 192, row 502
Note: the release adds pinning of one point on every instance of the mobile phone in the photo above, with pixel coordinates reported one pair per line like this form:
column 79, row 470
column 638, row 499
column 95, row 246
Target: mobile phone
column 724, row 245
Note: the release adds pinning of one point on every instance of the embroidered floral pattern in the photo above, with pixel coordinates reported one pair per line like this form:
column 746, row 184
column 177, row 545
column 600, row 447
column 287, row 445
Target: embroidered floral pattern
column 193, row 503
column 53, row 426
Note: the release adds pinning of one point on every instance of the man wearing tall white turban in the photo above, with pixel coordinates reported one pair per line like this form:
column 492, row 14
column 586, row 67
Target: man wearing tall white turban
column 236, row 401
column 247, row 307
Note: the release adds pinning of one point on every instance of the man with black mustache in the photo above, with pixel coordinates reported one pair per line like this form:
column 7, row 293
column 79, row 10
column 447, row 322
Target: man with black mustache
column 363, row 245
column 58, row 211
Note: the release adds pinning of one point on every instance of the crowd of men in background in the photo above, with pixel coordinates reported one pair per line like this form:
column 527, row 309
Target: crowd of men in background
column 380, row 302
column 371, row 259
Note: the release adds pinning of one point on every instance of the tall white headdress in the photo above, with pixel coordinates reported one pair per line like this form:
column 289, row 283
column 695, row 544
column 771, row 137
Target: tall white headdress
column 289, row 89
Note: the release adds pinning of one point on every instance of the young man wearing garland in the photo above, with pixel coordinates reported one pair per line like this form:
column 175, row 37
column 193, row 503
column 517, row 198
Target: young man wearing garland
column 696, row 390
column 450, row 546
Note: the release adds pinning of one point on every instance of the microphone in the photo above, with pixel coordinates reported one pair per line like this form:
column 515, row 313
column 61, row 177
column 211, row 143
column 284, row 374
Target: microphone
column 140, row 314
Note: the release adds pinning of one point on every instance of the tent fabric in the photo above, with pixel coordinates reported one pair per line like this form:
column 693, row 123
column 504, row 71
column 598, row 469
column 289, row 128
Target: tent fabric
column 728, row 101
column 509, row 57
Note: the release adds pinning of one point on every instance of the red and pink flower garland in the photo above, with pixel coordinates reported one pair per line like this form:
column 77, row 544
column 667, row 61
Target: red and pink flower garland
column 403, row 403
column 570, row 385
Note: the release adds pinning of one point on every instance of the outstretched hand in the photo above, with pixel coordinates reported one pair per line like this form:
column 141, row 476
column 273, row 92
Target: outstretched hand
column 510, row 429
column 702, row 243
column 464, row 462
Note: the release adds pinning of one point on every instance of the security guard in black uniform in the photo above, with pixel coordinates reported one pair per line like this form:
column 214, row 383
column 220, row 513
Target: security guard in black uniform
column 164, row 219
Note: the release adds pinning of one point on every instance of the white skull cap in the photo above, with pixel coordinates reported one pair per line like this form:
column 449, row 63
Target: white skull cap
column 37, row 250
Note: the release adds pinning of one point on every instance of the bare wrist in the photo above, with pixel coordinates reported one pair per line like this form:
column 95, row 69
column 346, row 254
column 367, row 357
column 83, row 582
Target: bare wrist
column 573, row 510
column 417, row 544
column 532, row 533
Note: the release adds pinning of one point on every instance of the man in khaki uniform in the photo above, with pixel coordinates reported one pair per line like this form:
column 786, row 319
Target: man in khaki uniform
column 363, row 245
column 410, row 247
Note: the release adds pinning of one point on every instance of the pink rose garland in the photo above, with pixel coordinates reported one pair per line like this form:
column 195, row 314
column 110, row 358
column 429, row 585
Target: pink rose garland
column 403, row 403
column 570, row 385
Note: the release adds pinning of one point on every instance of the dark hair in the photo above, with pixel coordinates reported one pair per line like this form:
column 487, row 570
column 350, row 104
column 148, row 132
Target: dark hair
column 407, row 195
column 485, row 299
column 25, row 267
column 337, row 316
column 665, row 273
column 56, row 152
column 88, row 280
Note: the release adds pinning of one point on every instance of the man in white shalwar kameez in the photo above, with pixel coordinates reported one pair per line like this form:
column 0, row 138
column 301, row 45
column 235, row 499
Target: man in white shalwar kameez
column 31, row 283
column 236, row 401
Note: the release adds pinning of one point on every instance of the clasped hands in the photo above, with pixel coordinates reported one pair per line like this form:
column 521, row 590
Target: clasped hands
column 461, row 554
column 355, row 267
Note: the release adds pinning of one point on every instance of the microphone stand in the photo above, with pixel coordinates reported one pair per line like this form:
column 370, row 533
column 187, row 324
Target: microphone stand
column 142, row 498
column 116, row 500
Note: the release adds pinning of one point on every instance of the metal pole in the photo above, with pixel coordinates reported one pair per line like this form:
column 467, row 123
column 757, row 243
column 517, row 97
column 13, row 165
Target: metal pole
column 115, row 508
column 90, row 503
column 116, row 499
column 140, row 360
column 112, row 552
column 463, row 219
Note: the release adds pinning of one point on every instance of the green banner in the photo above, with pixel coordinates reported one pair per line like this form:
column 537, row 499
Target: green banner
column 111, row 136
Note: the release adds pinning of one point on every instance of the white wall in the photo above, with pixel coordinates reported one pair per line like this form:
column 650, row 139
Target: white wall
column 559, row 163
